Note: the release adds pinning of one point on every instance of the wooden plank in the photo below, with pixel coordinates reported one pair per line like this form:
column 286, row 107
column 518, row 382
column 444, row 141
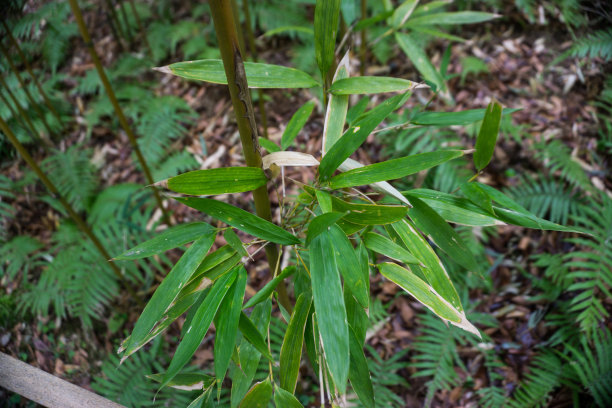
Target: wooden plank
column 46, row 389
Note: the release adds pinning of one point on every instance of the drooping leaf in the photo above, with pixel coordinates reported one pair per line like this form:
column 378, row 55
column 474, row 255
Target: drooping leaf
column 359, row 374
column 285, row 399
column 350, row 266
column 392, row 169
column 267, row 290
column 368, row 214
column 253, row 336
column 169, row 289
column 296, row 123
column 259, row 396
column 321, row 223
column 217, row 181
column 258, row 75
column 202, row 319
column 291, row 350
column 325, row 30
column 171, row 238
column 487, row 137
column 388, row 248
column 241, row 219
column 442, row 234
column 419, row 59
column 337, row 108
column 426, row 295
column 371, row 85
column 226, row 324
column 355, row 136
column 329, row 308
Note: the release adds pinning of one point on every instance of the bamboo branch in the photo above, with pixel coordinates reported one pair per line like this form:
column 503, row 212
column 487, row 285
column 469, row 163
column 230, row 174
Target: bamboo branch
column 111, row 95
column 73, row 214
column 227, row 38
column 15, row 45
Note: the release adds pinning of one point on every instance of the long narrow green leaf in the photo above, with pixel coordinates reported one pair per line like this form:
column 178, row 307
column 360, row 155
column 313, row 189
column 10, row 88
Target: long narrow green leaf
column 452, row 18
column 169, row 289
column 325, row 201
column 186, row 381
column 325, row 31
column 267, row 290
column 402, row 13
column 350, row 266
column 426, row 295
column 253, row 336
column 371, row 85
column 355, row 136
column 329, row 308
column 258, row 75
column 388, row 248
column 337, row 108
column 321, row 223
column 474, row 193
column 419, row 59
column 359, row 374
column 392, row 169
column 240, row 219
column 368, row 214
column 460, row 118
column 171, row 238
column 199, row 326
column 291, row 350
column 442, row 234
column 259, row 396
column 296, row 123
column 226, row 324
column 217, row 181
column 487, row 137
column 284, row 399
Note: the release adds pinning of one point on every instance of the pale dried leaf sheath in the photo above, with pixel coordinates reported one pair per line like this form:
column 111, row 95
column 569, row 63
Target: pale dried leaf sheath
column 282, row 159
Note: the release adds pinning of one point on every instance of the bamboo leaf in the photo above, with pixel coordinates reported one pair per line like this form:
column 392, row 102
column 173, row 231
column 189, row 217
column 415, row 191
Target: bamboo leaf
column 253, row 335
column 321, row 223
column 487, row 137
column 388, row 248
column 325, row 201
column 427, row 295
column 329, row 308
column 452, row 18
column 240, row 219
column 267, row 290
column 350, row 266
column 460, row 118
column 357, row 110
column 291, row 350
column 171, row 238
column 226, row 324
column 442, row 234
column 234, row 241
column 284, row 399
column 392, row 169
column 359, row 374
column 288, row 159
column 434, row 271
column 258, row 75
column 402, row 13
column 371, row 85
column 420, row 61
column 259, row 396
column 296, row 123
column 186, row 381
column 478, row 196
column 355, row 136
column 325, row 31
column 269, row 145
column 337, row 108
column 369, row 214
column 216, row 181
column 199, row 326
column 168, row 290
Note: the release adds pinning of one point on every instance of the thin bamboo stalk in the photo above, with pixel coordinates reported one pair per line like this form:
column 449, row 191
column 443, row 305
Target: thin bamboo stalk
column 362, row 46
column 73, row 214
column 125, row 20
column 227, row 38
column 25, row 88
column 17, row 48
column 253, row 49
column 111, row 95
column 24, row 116
column 115, row 20
column 143, row 33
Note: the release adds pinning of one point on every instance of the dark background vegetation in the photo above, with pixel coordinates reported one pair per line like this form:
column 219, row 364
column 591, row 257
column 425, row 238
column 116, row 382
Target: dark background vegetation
column 543, row 304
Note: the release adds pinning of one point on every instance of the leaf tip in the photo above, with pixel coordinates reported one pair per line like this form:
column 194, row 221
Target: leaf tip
column 165, row 69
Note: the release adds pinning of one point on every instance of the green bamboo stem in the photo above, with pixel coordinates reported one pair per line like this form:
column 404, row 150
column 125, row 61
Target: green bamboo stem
column 227, row 38
column 16, row 46
column 111, row 95
column 23, row 114
column 362, row 46
column 25, row 88
column 143, row 33
column 73, row 214
column 253, row 49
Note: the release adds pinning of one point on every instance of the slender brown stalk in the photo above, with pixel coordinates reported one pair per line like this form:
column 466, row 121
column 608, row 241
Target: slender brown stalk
column 23, row 114
column 125, row 20
column 143, row 33
column 115, row 22
column 253, row 49
column 16, row 46
column 25, row 88
column 111, row 95
column 362, row 46
column 227, row 37
column 73, row 214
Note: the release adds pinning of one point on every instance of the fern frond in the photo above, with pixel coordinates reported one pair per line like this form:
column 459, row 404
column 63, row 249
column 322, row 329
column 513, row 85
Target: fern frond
column 174, row 164
column 544, row 376
column 19, row 255
column 557, row 157
column 385, row 377
column 595, row 45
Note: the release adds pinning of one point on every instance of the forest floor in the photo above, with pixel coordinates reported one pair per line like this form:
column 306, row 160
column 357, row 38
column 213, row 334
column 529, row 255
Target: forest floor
column 555, row 102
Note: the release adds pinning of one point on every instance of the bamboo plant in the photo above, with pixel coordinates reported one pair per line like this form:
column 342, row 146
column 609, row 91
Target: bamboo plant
column 335, row 232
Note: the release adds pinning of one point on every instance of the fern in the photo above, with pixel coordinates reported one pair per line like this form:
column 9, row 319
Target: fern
column 595, row 45
column 19, row 255
column 557, row 157
column 544, row 377
column 6, row 211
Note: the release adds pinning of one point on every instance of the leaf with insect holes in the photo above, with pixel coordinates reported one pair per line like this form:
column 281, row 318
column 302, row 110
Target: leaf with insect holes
column 258, row 75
